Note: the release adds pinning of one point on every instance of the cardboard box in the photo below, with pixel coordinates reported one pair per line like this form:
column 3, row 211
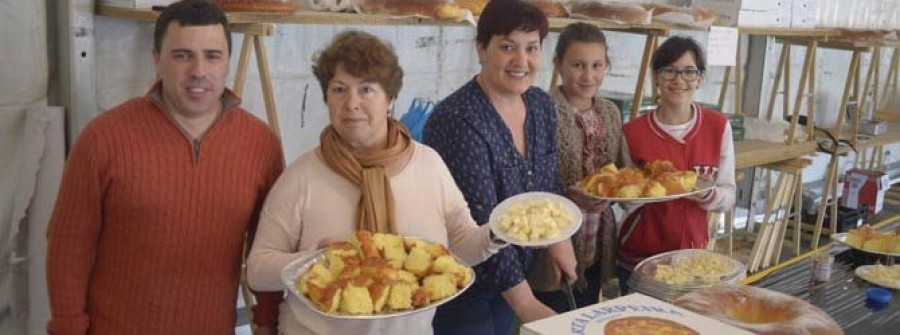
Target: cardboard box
column 726, row 10
column 594, row 319
column 872, row 127
column 749, row 13
column 865, row 187
column 769, row 18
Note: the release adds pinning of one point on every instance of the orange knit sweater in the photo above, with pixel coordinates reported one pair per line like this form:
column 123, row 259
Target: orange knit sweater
column 147, row 230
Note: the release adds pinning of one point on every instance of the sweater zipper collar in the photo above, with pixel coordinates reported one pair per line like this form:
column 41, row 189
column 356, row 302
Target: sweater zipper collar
column 229, row 102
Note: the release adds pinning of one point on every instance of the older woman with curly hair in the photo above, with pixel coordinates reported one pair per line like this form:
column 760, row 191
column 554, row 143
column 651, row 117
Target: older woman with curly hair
column 367, row 173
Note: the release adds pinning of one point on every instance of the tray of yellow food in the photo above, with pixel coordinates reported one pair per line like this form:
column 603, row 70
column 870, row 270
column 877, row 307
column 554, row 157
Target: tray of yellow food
column 535, row 219
column 669, row 275
column 884, row 276
column 658, row 181
column 376, row 276
column 871, row 240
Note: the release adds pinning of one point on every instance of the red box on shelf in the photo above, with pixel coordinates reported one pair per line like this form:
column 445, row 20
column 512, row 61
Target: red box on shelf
column 865, row 187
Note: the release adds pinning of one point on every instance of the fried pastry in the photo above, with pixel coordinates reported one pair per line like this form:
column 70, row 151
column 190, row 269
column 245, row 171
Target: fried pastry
column 381, row 273
column 659, row 178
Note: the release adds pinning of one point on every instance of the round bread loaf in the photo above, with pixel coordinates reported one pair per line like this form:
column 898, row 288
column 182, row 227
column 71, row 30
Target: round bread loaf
column 551, row 8
column 759, row 310
column 627, row 13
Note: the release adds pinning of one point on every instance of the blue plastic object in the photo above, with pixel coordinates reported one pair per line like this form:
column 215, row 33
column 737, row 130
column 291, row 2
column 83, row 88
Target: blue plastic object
column 878, row 295
column 415, row 118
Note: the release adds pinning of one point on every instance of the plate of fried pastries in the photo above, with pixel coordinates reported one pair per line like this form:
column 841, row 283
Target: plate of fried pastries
column 535, row 219
column 658, row 181
column 869, row 239
column 376, row 276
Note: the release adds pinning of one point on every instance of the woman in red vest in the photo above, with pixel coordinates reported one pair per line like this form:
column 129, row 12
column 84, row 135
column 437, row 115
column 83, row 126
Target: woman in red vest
column 692, row 138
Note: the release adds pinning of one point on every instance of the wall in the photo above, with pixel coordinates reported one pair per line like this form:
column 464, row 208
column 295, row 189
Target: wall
column 436, row 61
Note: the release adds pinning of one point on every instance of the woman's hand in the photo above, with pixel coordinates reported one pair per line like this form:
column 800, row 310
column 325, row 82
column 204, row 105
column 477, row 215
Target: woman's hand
column 702, row 196
column 323, row 243
column 585, row 201
column 525, row 305
column 564, row 262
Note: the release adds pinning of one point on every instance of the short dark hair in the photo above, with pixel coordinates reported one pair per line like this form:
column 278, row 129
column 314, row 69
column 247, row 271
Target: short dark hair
column 190, row 13
column 363, row 55
column 673, row 48
column 579, row 32
column 501, row 17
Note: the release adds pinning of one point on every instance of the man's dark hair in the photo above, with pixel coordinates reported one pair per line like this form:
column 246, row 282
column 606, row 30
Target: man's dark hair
column 190, row 13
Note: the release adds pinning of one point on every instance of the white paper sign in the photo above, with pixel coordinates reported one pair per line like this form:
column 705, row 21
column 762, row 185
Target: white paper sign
column 722, row 48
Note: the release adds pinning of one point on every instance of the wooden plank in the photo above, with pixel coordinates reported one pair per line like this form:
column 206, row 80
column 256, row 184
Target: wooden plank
column 750, row 153
column 313, row 17
column 789, row 32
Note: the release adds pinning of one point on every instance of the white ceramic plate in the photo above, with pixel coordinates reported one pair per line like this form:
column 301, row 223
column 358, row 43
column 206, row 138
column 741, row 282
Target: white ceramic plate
column 842, row 238
column 863, row 272
column 503, row 207
column 702, row 186
column 292, row 272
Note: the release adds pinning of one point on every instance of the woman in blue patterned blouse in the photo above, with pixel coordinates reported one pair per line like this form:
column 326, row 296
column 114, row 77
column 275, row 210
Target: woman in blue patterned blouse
column 497, row 134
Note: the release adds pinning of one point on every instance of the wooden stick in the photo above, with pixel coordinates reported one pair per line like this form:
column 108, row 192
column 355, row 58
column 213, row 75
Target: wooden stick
column 786, row 99
column 738, row 83
column 811, row 112
column 892, row 74
column 778, row 73
column 262, row 60
column 804, row 77
column 798, row 216
column 642, row 75
column 723, row 91
column 554, row 78
column 240, row 77
column 877, row 59
column 870, row 76
column 790, row 197
column 838, row 127
column 830, row 182
column 776, row 207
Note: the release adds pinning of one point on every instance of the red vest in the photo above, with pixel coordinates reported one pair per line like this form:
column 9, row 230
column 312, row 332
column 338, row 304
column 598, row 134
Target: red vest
column 678, row 224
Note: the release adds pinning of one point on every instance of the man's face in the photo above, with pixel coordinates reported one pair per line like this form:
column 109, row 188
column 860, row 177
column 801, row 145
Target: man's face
column 192, row 64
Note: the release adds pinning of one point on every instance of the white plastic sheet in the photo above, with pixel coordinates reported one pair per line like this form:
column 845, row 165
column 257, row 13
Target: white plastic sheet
column 23, row 37
column 30, row 180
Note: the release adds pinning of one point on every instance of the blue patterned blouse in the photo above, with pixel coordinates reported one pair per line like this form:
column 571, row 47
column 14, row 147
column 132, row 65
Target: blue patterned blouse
column 479, row 150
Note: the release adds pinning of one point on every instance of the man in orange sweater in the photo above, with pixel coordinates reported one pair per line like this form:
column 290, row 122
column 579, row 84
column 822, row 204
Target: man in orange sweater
column 159, row 194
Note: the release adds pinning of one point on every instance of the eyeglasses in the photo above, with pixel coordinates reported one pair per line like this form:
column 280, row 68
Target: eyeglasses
column 686, row 74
